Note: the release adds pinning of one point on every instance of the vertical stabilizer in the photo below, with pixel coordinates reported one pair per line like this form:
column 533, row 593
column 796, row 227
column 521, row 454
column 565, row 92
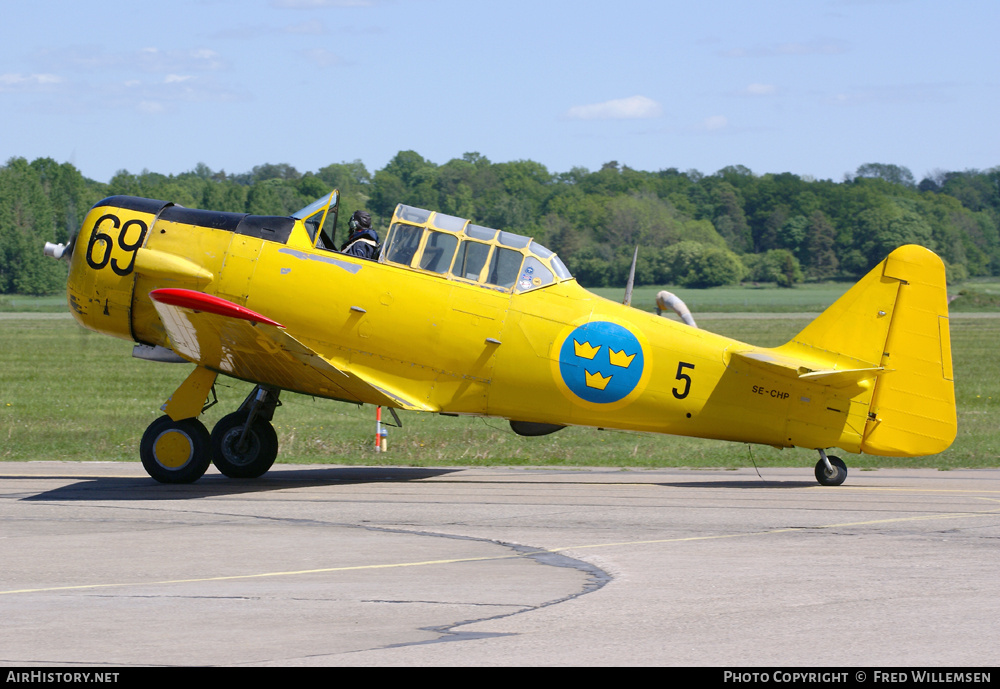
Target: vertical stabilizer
column 852, row 332
column 913, row 409
column 895, row 318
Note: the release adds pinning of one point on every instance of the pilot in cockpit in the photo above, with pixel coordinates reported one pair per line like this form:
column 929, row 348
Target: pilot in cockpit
column 363, row 241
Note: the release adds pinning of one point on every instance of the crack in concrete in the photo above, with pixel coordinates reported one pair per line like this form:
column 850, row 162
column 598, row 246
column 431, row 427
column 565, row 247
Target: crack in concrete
column 596, row 579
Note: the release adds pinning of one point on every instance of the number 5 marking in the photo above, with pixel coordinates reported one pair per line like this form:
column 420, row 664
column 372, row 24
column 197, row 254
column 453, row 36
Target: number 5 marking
column 681, row 394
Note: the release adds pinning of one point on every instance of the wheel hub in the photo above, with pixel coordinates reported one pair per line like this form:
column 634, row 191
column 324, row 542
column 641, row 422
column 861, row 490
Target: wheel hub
column 241, row 453
column 173, row 449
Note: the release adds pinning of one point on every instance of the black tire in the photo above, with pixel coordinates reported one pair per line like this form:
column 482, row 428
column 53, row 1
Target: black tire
column 175, row 451
column 838, row 476
column 261, row 446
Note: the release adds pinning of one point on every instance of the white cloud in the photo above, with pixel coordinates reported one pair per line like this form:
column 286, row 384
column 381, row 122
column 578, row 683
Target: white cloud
column 316, row 4
column 760, row 90
column 11, row 81
column 634, row 108
column 714, row 123
column 819, row 46
column 150, row 107
column 256, row 32
column 321, row 57
column 98, row 59
column 902, row 94
column 313, row 27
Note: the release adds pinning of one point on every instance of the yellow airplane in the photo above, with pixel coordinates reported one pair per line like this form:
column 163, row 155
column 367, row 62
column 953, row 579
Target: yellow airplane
column 455, row 318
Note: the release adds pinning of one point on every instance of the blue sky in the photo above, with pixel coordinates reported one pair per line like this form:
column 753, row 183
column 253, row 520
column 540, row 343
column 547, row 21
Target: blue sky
column 813, row 87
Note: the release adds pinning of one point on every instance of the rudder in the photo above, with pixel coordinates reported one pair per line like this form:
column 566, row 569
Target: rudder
column 913, row 409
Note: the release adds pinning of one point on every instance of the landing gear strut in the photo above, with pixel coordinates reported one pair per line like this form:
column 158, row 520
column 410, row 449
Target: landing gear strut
column 830, row 471
column 244, row 444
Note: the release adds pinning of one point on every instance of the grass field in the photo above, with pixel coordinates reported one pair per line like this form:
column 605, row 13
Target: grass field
column 69, row 394
column 975, row 295
column 13, row 303
column 810, row 298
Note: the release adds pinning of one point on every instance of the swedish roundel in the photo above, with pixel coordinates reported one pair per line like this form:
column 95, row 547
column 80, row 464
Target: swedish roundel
column 601, row 362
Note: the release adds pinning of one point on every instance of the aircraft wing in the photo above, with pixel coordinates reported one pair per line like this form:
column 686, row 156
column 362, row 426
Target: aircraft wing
column 228, row 338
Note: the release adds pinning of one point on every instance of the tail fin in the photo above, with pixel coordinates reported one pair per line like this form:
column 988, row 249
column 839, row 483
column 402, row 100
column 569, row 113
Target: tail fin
column 896, row 318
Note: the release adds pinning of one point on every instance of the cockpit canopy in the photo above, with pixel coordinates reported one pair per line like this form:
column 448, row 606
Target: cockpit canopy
column 453, row 247
column 320, row 220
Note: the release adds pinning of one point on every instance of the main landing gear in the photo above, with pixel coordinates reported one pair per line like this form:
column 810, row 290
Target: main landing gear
column 830, row 471
column 242, row 444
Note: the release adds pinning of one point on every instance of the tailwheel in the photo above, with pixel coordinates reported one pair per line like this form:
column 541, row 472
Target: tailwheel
column 175, row 451
column 830, row 471
column 241, row 450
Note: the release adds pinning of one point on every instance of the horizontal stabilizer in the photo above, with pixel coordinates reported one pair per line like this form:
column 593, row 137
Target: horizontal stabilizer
column 803, row 370
column 841, row 379
column 777, row 363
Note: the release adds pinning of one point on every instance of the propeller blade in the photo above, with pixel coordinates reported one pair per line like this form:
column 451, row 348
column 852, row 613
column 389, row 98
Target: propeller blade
column 631, row 279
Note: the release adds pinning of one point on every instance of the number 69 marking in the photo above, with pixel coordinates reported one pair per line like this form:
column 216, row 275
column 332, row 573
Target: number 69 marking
column 107, row 242
column 681, row 394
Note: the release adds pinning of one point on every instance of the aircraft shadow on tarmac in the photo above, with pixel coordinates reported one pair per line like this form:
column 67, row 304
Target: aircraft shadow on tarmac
column 745, row 484
column 215, row 485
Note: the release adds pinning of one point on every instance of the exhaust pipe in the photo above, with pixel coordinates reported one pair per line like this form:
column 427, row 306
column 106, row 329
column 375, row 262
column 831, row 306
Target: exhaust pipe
column 668, row 300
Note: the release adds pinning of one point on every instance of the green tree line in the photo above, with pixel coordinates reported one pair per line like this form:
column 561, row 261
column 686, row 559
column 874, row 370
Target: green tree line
column 694, row 230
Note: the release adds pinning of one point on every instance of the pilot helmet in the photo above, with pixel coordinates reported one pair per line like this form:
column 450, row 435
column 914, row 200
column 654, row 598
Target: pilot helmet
column 360, row 221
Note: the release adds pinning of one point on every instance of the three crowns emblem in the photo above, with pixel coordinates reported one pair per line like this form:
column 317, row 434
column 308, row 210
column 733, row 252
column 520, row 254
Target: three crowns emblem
column 585, row 350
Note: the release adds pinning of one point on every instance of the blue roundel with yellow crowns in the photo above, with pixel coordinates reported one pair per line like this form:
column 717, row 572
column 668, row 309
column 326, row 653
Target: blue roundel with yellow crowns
column 601, row 362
